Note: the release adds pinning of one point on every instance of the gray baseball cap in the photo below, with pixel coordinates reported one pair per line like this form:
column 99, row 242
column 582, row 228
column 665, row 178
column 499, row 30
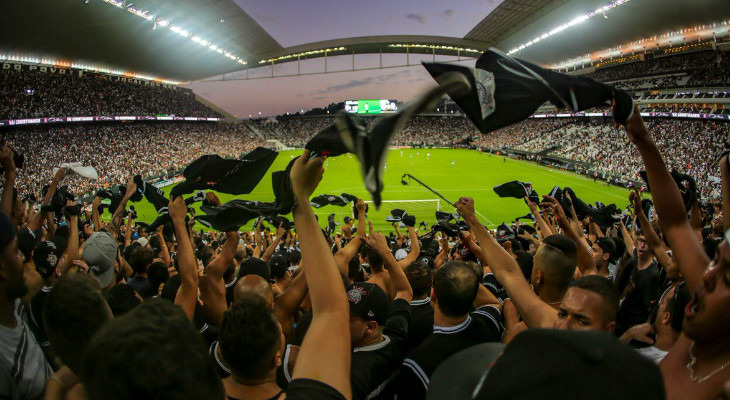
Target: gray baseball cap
column 100, row 250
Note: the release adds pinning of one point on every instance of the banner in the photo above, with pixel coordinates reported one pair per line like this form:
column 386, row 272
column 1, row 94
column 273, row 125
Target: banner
column 102, row 118
column 720, row 117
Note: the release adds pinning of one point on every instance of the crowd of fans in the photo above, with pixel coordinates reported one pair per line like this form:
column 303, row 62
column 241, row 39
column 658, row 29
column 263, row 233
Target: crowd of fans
column 116, row 150
column 29, row 94
column 629, row 306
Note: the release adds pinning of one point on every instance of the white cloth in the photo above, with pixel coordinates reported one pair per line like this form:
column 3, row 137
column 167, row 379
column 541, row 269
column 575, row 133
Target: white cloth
column 653, row 354
column 78, row 169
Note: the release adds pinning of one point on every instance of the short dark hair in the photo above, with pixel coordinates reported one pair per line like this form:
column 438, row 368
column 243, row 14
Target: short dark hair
column 205, row 255
column 563, row 257
column 121, row 299
column 295, row 257
column 73, row 312
column 375, row 262
column 525, row 261
column 146, row 361
column 354, row 270
column 157, row 274
column 155, row 244
column 605, row 288
column 677, row 304
column 249, row 337
column 420, row 276
column 140, row 259
column 455, row 285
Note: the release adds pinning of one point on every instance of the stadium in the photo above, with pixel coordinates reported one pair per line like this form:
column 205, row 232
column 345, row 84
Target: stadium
column 365, row 201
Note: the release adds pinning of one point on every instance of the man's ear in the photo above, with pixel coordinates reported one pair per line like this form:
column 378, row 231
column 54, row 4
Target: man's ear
column 610, row 327
column 666, row 318
column 606, row 256
column 540, row 278
column 372, row 326
column 277, row 359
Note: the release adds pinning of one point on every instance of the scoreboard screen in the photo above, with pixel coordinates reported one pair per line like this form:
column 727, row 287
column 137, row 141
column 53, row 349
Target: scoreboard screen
column 367, row 106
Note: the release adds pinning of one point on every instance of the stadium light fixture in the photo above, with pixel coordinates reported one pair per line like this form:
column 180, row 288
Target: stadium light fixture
column 164, row 23
column 575, row 21
column 303, row 54
column 50, row 62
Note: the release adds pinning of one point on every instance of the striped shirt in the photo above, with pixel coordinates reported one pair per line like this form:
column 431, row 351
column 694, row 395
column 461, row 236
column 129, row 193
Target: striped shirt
column 23, row 367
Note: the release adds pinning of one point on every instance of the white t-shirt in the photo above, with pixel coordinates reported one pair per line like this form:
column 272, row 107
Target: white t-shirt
column 23, row 367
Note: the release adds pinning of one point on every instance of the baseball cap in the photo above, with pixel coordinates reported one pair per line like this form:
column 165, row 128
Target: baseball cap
column 543, row 363
column 100, row 250
column 368, row 301
column 255, row 266
column 278, row 265
column 142, row 241
column 429, row 261
column 27, row 240
column 401, row 254
column 47, row 254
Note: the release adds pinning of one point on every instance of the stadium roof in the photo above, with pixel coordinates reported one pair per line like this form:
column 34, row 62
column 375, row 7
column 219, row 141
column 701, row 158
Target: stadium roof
column 99, row 32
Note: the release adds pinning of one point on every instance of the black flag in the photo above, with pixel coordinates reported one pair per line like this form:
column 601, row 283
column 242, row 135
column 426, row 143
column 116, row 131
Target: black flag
column 332, row 199
column 506, row 90
column 226, row 176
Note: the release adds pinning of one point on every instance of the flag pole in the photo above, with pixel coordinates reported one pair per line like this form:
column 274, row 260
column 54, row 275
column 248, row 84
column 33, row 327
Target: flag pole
column 406, row 175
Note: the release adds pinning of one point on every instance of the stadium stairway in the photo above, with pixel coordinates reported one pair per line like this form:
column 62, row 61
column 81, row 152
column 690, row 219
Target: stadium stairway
column 228, row 116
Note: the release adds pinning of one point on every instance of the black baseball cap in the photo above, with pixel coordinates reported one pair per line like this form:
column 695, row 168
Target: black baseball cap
column 543, row 363
column 47, row 254
column 368, row 301
column 255, row 266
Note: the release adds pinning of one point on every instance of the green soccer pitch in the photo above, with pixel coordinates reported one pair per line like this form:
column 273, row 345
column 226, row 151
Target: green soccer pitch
column 453, row 173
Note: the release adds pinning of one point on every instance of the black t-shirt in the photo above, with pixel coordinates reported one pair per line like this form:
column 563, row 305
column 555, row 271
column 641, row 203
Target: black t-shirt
column 413, row 378
column 493, row 285
column 421, row 324
column 142, row 286
column 282, row 372
column 229, row 291
column 644, row 288
column 309, row 389
column 34, row 313
column 373, row 365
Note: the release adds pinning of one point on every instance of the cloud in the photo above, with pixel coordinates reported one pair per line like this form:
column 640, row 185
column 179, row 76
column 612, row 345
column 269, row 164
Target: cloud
column 344, row 86
column 420, row 18
column 448, row 14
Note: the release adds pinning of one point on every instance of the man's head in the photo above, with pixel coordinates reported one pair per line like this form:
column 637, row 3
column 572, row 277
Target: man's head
column 554, row 263
column 47, row 257
column 670, row 314
column 279, row 266
column 375, row 262
column 122, row 299
column 591, row 303
column 420, row 277
column 707, row 316
column 144, row 361
column 256, row 285
column 455, row 287
column 74, row 311
column 368, row 311
column 12, row 282
column 604, row 250
column 140, row 259
column 642, row 250
column 157, row 274
column 251, row 339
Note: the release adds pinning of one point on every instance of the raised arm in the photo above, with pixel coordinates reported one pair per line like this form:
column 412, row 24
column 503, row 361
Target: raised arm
column 258, row 240
column 95, row 218
column 6, row 159
column 545, row 230
column 415, row 248
column 325, row 353
column 118, row 216
column 536, row 313
column 212, row 285
column 586, row 264
column 444, row 254
column 187, row 294
column 376, row 241
column 652, row 239
column 688, row 251
column 628, row 239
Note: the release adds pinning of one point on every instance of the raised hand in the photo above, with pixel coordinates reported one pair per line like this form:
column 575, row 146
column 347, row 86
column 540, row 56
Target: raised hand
column 305, row 176
column 212, row 199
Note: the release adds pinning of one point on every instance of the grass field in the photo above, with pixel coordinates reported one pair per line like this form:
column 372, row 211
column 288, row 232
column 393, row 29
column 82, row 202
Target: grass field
column 472, row 174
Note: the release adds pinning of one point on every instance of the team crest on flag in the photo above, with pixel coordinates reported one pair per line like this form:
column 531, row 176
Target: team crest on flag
column 484, row 81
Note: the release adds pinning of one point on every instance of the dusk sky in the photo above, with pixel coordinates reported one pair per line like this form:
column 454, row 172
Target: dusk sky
column 293, row 22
